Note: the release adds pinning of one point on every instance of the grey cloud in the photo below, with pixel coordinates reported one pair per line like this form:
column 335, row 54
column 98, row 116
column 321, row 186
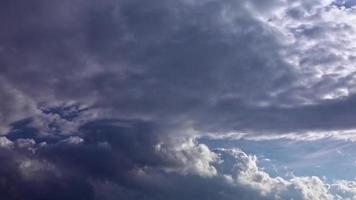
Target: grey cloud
column 142, row 59
column 175, row 62
column 122, row 161
column 120, row 155
column 105, row 91
column 328, row 116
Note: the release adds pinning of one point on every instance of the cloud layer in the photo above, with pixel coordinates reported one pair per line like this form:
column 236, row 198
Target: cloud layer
column 281, row 66
column 122, row 159
column 104, row 100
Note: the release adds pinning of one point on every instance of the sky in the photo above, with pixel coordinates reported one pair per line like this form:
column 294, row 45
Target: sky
column 178, row 99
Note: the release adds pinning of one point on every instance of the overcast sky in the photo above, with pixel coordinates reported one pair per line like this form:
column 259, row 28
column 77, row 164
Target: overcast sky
column 177, row 99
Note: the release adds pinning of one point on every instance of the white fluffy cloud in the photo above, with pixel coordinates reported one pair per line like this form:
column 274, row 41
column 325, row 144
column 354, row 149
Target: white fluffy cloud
column 246, row 173
column 191, row 157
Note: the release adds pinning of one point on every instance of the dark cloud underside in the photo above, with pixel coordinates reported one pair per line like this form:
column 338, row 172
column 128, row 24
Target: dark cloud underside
column 103, row 99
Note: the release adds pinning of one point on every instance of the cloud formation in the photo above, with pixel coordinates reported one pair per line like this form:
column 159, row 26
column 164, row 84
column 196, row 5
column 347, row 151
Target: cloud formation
column 104, row 100
column 122, row 159
column 280, row 66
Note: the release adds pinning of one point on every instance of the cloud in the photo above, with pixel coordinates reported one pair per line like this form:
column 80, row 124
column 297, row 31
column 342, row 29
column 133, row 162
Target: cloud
column 121, row 154
column 103, row 99
column 131, row 160
column 135, row 59
column 282, row 66
column 243, row 171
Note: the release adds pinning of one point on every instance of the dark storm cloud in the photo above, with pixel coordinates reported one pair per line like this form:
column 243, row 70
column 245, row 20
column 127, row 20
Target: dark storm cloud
column 330, row 115
column 64, row 169
column 150, row 69
column 44, row 183
column 119, row 159
column 116, row 158
column 152, row 58
column 186, row 61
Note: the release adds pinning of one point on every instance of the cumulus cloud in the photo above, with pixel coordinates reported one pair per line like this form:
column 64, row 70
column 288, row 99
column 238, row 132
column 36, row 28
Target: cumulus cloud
column 103, row 99
column 242, row 170
column 124, row 159
column 192, row 158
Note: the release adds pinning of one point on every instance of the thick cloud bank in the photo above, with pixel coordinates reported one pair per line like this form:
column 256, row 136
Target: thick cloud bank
column 128, row 160
column 104, row 99
column 281, row 66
